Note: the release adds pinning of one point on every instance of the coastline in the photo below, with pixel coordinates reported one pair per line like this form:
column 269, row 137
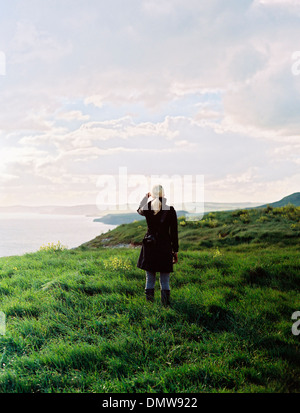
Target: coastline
column 25, row 233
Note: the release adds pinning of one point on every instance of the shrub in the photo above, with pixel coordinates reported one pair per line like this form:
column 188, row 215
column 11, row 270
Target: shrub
column 217, row 253
column 239, row 212
column 211, row 223
column 268, row 209
column 245, row 218
column 263, row 218
column 51, row 247
column 117, row 263
column 212, row 215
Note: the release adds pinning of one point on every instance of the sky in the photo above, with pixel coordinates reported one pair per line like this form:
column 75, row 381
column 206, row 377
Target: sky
column 163, row 88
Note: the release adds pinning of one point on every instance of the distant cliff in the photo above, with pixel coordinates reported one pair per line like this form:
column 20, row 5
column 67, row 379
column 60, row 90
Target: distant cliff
column 118, row 219
column 293, row 199
column 127, row 216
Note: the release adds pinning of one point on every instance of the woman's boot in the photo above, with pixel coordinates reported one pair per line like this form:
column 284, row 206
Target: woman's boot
column 165, row 297
column 149, row 294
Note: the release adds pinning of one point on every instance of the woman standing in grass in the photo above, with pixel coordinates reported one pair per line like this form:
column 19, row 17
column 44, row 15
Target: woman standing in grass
column 160, row 244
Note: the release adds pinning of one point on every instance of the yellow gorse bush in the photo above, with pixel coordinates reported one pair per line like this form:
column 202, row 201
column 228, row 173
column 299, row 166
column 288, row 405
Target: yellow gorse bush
column 51, row 246
column 209, row 222
column 217, row 253
column 117, row 263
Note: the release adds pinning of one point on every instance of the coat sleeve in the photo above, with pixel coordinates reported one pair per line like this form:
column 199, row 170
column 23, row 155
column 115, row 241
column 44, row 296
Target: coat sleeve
column 174, row 230
column 143, row 205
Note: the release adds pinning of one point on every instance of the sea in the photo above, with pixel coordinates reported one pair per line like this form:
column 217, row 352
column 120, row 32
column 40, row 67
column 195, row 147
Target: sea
column 26, row 233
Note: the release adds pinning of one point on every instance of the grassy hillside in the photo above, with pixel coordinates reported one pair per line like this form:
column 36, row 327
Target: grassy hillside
column 77, row 320
column 246, row 227
column 293, row 199
column 118, row 218
column 126, row 218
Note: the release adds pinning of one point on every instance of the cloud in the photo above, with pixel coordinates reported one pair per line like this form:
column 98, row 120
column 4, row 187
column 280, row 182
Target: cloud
column 31, row 44
column 185, row 144
column 275, row 3
column 96, row 100
column 174, row 86
column 178, row 145
column 268, row 102
column 72, row 115
column 92, row 134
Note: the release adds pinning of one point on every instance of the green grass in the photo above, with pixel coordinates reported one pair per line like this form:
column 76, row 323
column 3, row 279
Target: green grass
column 254, row 228
column 77, row 320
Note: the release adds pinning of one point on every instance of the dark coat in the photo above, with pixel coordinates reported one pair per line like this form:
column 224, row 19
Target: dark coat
column 157, row 255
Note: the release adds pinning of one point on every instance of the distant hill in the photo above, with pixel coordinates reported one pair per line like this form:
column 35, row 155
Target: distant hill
column 91, row 210
column 118, row 219
column 126, row 218
column 126, row 213
column 293, row 199
column 255, row 226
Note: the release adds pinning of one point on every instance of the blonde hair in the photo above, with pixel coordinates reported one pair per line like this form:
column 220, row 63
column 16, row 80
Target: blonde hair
column 156, row 193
